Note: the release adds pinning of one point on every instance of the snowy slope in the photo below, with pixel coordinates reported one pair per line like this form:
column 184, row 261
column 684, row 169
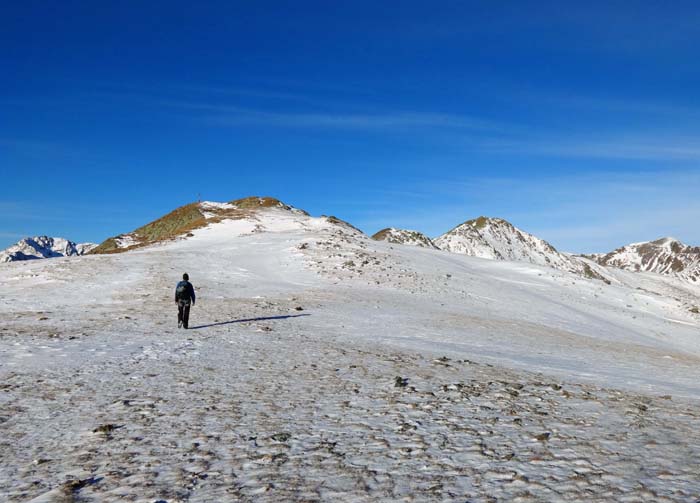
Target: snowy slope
column 498, row 239
column 326, row 366
column 664, row 256
column 43, row 247
column 180, row 222
column 404, row 237
column 273, row 248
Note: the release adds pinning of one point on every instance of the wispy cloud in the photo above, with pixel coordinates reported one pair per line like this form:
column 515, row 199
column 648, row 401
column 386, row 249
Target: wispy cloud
column 620, row 105
column 354, row 121
column 222, row 115
column 476, row 133
column 631, row 146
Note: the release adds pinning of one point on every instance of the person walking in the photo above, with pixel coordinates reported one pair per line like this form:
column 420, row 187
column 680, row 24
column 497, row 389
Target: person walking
column 184, row 297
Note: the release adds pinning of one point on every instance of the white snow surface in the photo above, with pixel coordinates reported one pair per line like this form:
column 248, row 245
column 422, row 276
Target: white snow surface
column 208, row 208
column 41, row 247
column 126, row 240
column 321, row 365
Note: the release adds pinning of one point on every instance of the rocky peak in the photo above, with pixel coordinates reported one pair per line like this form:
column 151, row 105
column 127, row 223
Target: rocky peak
column 498, row 239
column 404, row 237
column 664, row 256
column 40, row 247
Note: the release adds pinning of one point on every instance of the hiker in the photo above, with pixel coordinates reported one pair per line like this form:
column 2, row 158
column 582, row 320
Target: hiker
column 184, row 295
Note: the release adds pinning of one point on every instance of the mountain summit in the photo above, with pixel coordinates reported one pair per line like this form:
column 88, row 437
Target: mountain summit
column 498, row 239
column 40, row 247
column 183, row 220
column 664, row 256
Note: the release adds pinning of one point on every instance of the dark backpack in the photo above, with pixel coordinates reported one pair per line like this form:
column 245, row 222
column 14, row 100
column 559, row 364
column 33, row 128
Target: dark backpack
column 182, row 292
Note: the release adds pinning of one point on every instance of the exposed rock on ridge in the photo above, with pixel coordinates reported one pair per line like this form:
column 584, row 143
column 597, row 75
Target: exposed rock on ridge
column 663, row 256
column 404, row 237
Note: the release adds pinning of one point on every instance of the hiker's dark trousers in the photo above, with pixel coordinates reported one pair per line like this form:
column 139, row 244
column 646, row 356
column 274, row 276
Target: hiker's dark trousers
column 183, row 312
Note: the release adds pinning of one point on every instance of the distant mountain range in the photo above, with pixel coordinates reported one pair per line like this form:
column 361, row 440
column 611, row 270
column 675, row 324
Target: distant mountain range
column 663, row 256
column 40, row 247
column 496, row 239
column 485, row 237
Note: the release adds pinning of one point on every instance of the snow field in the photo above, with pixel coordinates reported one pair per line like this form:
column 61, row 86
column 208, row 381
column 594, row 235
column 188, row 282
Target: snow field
column 409, row 375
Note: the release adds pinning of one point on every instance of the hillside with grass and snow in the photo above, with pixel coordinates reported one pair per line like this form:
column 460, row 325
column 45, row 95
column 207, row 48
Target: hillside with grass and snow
column 323, row 365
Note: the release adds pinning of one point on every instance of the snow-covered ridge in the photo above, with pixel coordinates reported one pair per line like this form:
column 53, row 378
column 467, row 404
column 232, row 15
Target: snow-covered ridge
column 404, row 237
column 41, row 247
column 498, row 239
column 664, row 256
column 180, row 222
column 523, row 377
column 484, row 237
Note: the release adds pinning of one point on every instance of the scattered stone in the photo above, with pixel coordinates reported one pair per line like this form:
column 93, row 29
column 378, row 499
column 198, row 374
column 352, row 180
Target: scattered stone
column 400, row 382
column 106, row 429
column 543, row 437
column 280, row 458
column 298, row 308
column 281, row 437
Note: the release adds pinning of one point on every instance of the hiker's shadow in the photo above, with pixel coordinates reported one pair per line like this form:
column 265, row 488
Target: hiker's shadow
column 283, row 317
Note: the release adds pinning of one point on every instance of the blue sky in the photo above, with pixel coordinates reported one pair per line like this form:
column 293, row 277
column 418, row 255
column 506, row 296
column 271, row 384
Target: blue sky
column 577, row 121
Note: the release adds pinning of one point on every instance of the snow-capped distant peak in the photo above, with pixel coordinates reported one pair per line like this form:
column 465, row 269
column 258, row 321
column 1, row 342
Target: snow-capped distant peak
column 664, row 256
column 498, row 239
column 40, row 247
column 404, row 237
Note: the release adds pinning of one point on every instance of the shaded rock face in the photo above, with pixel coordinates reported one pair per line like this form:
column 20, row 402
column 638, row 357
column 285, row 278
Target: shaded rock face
column 41, row 247
column 404, row 237
column 498, row 239
column 663, row 256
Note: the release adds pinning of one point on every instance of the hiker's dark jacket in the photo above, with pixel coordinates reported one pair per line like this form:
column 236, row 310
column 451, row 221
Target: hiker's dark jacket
column 189, row 291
